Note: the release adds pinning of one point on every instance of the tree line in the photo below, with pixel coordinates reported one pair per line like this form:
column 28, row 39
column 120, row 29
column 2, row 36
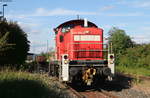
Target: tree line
column 127, row 52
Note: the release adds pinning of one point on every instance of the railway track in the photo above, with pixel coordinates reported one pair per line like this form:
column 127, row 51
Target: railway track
column 97, row 94
column 91, row 93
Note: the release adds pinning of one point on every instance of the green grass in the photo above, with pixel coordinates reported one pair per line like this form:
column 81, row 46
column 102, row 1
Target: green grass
column 17, row 84
column 137, row 71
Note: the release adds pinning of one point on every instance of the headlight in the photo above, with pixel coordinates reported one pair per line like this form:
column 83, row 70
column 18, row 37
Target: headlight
column 65, row 61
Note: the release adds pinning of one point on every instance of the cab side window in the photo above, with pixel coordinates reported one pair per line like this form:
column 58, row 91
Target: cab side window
column 61, row 38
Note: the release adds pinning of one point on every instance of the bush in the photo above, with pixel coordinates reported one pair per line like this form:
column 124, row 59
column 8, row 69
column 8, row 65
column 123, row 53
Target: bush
column 138, row 56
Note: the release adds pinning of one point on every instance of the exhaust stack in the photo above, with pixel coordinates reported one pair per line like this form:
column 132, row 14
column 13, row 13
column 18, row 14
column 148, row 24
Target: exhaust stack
column 85, row 22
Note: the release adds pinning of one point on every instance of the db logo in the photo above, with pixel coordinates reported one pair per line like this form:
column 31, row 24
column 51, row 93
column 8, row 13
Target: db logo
column 86, row 32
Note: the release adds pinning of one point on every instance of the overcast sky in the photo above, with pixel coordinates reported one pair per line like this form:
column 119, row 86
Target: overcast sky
column 39, row 17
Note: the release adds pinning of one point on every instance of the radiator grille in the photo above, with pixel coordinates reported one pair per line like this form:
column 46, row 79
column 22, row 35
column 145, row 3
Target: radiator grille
column 83, row 53
column 87, row 51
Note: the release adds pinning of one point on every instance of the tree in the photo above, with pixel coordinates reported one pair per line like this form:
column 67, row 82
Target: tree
column 14, row 44
column 120, row 40
column 3, row 44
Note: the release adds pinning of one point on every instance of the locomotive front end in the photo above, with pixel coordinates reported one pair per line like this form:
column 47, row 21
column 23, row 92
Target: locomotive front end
column 81, row 54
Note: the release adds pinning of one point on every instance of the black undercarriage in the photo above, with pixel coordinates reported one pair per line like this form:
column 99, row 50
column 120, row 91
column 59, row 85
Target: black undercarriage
column 83, row 72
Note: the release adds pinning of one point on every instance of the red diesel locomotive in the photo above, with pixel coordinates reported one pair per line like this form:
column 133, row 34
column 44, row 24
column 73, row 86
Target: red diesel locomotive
column 79, row 56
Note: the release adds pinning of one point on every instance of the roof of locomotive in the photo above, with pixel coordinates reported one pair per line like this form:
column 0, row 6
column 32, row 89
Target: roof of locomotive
column 77, row 22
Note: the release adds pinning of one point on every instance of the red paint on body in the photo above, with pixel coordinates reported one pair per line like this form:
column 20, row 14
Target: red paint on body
column 79, row 42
